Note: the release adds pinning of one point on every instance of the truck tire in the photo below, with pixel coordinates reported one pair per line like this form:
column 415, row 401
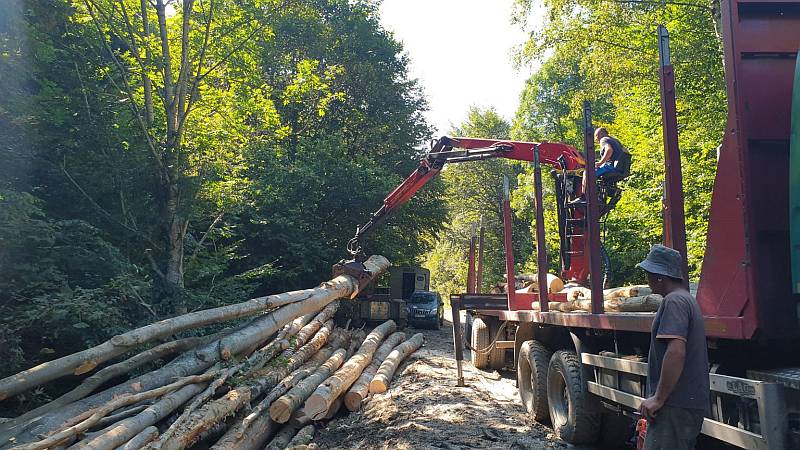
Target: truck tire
column 573, row 410
column 497, row 357
column 479, row 339
column 532, row 365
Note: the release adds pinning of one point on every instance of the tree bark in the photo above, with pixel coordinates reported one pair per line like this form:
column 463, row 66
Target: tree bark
column 360, row 389
column 129, row 428
column 282, row 439
column 385, row 373
column 189, row 363
column 303, row 437
column 258, row 434
column 140, row 440
column 287, row 383
column 103, row 411
column 113, row 371
column 282, row 408
column 323, row 397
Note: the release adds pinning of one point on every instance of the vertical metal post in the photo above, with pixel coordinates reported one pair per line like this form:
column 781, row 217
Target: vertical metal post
column 674, row 222
column 458, row 340
column 541, row 250
column 508, row 244
column 471, row 263
column 479, row 278
column 592, row 215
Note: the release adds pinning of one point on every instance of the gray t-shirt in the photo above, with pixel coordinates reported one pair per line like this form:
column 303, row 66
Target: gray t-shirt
column 616, row 147
column 679, row 317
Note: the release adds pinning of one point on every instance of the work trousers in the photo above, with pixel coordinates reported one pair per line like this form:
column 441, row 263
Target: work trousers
column 673, row 429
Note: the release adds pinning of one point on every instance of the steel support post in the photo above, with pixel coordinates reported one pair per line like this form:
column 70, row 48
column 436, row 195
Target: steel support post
column 471, row 263
column 458, row 338
column 541, row 250
column 508, row 244
column 592, row 215
column 674, row 221
column 479, row 278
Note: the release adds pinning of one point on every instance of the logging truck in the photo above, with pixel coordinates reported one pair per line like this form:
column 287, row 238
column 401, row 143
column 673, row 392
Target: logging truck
column 585, row 370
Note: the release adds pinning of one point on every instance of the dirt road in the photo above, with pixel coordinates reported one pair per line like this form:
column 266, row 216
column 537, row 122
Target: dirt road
column 423, row 409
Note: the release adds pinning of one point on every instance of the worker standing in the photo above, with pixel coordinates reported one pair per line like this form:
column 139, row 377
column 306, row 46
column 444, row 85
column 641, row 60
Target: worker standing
column 677, row 370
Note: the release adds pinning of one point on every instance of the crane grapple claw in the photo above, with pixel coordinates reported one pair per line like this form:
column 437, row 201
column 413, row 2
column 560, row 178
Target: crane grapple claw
column 355, row 269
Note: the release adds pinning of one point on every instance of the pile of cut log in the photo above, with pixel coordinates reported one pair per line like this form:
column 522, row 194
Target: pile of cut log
column 263, row 382
column 622, row 299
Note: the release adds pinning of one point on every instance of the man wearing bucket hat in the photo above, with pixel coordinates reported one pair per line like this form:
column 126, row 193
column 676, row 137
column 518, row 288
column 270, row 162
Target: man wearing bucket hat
column 677, row 370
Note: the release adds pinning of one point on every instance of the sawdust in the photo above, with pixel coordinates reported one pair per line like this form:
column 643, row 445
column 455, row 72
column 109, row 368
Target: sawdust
column 424, row 409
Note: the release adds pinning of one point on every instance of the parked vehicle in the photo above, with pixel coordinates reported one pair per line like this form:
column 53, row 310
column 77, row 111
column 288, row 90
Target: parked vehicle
column 425, row 308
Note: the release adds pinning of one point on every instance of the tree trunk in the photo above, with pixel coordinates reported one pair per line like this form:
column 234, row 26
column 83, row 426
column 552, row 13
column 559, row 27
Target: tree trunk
column 189, row 363
column 318, row 404
column 282, row 408
column 335, row 407
column 129, row 428
column 140, row 440
column 184, row 432
column 360, row 389
column 101, row 377
column 282, row 439
column 259, row 433
column 86, row 423
column 287, row 383
column 303, row 437
column 385, row 373
column 204, row 418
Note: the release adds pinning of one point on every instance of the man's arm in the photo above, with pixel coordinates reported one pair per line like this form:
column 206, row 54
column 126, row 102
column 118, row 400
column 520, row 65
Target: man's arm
column 671, row 370
column 606, row 154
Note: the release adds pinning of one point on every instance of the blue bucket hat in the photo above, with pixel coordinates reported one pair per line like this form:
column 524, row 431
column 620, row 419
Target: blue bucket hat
column 663, row 261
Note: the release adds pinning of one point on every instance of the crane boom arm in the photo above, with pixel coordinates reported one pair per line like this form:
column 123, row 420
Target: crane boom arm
column 456, row 150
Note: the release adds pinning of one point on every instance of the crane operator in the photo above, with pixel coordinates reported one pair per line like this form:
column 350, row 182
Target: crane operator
column 612, row 151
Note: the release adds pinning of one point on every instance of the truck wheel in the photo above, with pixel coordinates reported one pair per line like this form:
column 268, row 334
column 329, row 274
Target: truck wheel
column 573, row 411
column 497, row 357
column 532, row 378
column 479, row 340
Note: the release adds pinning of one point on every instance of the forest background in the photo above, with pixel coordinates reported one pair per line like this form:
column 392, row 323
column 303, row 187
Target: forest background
column 163, row 156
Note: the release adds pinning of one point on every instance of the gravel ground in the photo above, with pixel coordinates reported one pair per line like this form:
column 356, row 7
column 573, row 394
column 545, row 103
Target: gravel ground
column 424, row 409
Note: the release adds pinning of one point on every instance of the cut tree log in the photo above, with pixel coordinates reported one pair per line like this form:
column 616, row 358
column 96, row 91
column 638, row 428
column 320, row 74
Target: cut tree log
column 141, row 439
column 191, row 362
column 282, row 408
column 335, row 407
column 307, row 329
column 303, row 437
column 360, row 389
column 554, row 283
column 84, row 424
column 299, row 419
column 646, row 303
column 282, row 439
column 113, row 371
column 127, row 429
column 287, row 383
column 86, row 360
column 627, row 291
column 323, row 397
column 385, row 373
column 259, row 433
column 185, row 433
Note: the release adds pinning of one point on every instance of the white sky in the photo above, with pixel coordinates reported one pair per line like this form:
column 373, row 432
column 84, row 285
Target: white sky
column 460, row 51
